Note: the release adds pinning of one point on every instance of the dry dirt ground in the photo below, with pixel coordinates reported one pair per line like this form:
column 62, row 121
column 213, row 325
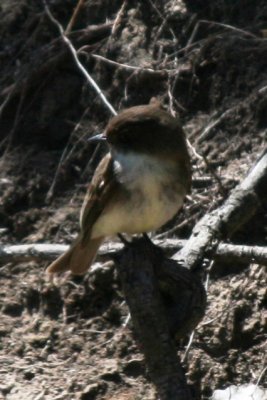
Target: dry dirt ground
column 207, row 62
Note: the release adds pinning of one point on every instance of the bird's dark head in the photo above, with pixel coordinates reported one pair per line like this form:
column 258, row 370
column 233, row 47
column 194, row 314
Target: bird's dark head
column 148, row 129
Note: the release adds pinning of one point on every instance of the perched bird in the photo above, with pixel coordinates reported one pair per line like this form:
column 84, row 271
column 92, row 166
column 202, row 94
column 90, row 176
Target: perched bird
column 137, row 187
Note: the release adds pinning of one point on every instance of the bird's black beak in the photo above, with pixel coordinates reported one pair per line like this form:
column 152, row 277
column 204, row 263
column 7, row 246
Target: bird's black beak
column 97, row 138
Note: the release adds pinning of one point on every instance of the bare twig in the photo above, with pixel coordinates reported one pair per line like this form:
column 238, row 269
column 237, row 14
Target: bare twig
column 226, row 26
column 206, row 162
column 176, row 228
column 91, row 161
column 182, row 50
column 88, row 77
column 64, row 157
column 164, row 20
column 261, row 375
column 263, row 89
column 188, row 346
column 7, row 99
column 205, row 134
column 16, row 120
column 193, row 149
column 118, row 18
column 74, row 16
column 126, row 66
column 159, row 72
column 221, row 187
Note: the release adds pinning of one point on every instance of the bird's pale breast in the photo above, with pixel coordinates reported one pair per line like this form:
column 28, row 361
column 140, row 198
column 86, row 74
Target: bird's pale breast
column 154, row 195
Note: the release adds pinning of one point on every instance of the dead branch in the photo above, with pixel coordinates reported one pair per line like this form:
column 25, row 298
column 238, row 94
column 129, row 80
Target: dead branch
column 47, row 252
column 118, row 18
column 74, row 16
column 220, row 224
column 228, row 252
column 30, row 252
column 225, row 26
column 126, row 66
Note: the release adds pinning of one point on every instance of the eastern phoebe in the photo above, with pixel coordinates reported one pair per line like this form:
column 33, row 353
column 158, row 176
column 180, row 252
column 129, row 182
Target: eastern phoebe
column 137, row 187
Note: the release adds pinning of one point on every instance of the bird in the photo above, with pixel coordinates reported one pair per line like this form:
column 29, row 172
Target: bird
column 138, row 186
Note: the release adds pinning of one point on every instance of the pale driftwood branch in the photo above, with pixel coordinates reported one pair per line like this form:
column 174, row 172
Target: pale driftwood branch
column 220, row 224
column 30, row 252
column 48, row 252
column 229, row 252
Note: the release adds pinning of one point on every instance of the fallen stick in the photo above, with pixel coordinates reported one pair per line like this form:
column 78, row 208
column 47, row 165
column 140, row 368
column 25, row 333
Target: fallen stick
column 48, row 252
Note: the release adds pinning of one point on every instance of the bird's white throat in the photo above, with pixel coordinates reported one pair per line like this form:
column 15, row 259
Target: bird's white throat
column 138, row 169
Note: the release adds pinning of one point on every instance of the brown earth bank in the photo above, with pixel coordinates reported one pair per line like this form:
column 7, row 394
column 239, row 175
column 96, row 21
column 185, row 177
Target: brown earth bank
column 207, row 63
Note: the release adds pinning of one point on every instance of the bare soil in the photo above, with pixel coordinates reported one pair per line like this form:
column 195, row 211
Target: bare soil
column 68, row 339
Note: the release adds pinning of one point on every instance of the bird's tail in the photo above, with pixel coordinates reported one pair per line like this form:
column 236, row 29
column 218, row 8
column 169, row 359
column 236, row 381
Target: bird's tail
column 78, row 258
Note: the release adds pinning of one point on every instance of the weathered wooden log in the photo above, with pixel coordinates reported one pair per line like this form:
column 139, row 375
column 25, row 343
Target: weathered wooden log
column 220, row 224
column 141, row 267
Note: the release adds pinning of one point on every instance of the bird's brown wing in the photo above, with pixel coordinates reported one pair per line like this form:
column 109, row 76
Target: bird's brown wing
column 84, row 249
column 100, row 192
